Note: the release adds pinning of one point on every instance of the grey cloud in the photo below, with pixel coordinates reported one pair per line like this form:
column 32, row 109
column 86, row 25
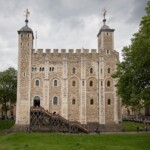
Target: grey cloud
column 61, row 22
column 137, row 12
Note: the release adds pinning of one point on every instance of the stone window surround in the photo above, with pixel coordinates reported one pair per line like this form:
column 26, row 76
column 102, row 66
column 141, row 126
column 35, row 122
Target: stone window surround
column 91, row 70
column 73, row 83
column 91, row 83
column 73, row 101
column 109, row 101
column 55, row 83
column 55, row 100
column 74, row 70
column 108, row 83
column 91, row 102
column 37, row 82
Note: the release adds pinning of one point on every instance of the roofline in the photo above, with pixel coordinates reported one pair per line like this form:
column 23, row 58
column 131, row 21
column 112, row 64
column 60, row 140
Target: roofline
column 105, row 30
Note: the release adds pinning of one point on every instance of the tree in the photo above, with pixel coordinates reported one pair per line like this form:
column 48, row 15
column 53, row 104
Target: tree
column 8, row 88
column 134, row 71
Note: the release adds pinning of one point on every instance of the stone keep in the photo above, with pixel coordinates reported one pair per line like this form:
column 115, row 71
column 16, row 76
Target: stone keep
column 76, row 84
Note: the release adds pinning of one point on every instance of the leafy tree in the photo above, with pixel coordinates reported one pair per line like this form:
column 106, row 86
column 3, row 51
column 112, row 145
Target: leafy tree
column 8, row 88
column 134, row 71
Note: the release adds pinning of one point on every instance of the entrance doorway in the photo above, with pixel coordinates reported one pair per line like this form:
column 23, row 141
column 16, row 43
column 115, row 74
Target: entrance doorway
column 36, row 101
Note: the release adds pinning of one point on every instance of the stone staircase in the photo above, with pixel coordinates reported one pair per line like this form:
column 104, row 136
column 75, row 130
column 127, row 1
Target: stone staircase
column 44, row 121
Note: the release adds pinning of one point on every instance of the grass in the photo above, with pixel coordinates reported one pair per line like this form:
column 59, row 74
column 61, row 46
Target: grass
column 132, row 126
column 47, row 141
column 6, row 124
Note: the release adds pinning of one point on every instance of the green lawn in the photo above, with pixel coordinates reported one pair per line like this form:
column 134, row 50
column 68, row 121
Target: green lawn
column 132, row 126
column 6, row 124
column 47, row 141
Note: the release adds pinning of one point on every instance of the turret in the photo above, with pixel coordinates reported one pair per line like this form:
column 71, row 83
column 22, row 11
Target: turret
column 25, row 45
column 105, row 36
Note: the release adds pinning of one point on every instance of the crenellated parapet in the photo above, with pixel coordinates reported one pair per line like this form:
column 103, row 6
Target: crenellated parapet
column 64, row 51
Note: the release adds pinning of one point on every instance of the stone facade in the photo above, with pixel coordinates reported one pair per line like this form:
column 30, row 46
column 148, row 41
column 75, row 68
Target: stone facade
column 77, row 84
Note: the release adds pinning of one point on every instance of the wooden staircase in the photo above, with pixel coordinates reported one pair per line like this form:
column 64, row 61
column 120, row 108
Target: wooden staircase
column 44, row 121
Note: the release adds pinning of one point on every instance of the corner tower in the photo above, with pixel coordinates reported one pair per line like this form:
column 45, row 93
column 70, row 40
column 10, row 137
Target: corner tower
column 25, row 45
column 105, row 36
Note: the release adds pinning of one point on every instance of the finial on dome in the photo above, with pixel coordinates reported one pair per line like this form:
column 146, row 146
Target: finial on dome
column 27, row 15
column 104, row 14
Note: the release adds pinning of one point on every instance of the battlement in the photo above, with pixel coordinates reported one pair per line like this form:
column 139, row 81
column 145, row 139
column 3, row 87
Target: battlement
column 65, row 51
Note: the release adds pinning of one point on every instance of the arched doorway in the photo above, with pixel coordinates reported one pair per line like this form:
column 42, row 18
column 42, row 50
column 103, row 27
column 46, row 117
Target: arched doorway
column 36, row 101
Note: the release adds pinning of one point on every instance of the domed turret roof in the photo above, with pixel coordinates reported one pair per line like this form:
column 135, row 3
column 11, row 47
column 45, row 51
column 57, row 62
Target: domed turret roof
column 105, row 27
column 25, row 29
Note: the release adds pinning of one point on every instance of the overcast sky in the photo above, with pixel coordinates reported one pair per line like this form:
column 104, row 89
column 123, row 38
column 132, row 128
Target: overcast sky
column 68, row 24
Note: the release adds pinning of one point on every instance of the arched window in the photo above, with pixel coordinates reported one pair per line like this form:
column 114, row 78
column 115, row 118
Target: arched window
column 108, row 83
column 108, row 70
column 73, row 70
column 43, row 69
column 109, row 102
column 40, row 69
column 73, row 101
column 55, row 100
column 55, row 82
column 37, row 83
column 91, row 83
column 50, row 69
column 91, row 70
column 91, row 101
column 73, row 83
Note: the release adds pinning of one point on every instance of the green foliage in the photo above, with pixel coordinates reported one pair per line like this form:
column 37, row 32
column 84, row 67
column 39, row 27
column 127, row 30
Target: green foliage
column 8, row 87
column 134, row 71
column 6, row 124
column 47, row 141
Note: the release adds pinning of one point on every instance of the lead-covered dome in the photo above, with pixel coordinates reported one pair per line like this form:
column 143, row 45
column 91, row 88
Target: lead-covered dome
column 105, row 27
column 26, row 29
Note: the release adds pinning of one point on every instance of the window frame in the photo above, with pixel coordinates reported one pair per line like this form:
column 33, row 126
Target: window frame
column 108, row 83
column 55, row 100
column 92, row 101
column 55, row 82
column 73, row 101
column 91, row 70
column 74, row 70
column 109, row 70
column 109, row 101
column 73, row 83
column 91, row 83
column 37, row 83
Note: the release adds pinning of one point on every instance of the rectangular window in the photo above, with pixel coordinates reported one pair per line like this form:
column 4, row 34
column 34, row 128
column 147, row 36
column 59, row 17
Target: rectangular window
column 82, row 83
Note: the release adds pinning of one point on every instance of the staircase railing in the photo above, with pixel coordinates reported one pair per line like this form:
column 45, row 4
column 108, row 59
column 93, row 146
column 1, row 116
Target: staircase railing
column 43, row 120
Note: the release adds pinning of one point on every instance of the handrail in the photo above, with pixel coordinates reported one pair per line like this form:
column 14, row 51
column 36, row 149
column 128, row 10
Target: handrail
column 78, row 124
